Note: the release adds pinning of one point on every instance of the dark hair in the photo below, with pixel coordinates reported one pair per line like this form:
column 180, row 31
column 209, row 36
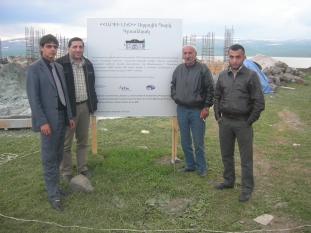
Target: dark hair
column 74, row 39
column 48, row 39
column 236, row 47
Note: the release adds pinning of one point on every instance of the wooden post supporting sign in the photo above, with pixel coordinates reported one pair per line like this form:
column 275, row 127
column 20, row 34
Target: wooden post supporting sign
column 94, row 134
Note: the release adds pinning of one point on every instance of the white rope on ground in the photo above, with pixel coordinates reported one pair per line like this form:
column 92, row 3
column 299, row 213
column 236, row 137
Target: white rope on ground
column 6, row 157
column 35, row 152
column 168, row 230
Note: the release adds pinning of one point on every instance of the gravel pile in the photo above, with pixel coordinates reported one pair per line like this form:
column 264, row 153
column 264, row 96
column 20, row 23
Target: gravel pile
column 13, row 97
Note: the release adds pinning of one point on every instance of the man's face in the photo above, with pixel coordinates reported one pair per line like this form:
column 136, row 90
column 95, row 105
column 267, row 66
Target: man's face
column 49, row 50
column 189, row 55
column 76, row 50
column 236, row 59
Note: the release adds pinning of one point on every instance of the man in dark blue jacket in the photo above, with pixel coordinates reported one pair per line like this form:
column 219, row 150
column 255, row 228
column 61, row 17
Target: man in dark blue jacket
column 80, row 80
column 192, row 90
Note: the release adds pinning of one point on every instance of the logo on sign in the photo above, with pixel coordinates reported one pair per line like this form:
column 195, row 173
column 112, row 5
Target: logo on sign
column 150, row 87
column 124, row 88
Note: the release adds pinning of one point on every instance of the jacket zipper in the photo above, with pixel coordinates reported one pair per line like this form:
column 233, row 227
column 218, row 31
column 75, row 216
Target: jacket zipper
column 232, row 91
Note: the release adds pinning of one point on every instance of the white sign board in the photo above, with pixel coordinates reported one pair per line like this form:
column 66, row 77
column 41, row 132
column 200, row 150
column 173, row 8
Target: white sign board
column 134, row 60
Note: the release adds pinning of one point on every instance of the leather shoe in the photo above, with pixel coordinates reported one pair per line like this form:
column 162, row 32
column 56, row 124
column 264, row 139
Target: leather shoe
column 221, row 186
column 67, row 178
column 244, row 197
column 87, row 173
column 57, row 205
column 185, row 170
column 64, row 192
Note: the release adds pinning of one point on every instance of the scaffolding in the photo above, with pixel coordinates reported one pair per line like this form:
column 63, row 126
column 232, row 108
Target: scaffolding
column 29, row 38
column 208, row 43
column 185, row 40
column 62, row 48
column 38, row 35
column 32, row 39
column 193, row 40
column 228, row 41
column 189, row 40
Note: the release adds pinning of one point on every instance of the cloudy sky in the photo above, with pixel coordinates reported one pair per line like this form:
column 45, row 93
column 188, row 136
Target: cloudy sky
column 256, row 19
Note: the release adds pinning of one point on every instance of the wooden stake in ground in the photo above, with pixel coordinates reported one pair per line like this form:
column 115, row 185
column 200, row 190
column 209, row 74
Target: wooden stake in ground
column 174, row 159
column 94, row 134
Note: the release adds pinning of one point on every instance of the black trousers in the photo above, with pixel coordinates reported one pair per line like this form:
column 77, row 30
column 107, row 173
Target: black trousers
column 229, row 131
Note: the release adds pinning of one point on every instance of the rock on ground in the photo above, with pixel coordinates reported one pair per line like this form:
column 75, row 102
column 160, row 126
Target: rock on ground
column 264, row 61
column 81, row 183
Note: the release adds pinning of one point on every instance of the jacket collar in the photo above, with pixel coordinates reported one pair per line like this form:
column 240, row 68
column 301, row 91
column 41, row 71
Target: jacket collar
column 193, row 65
column 241, row 70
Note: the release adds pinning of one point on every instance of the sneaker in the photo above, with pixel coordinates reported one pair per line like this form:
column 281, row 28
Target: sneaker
column 67, row 178
column 221, row 186
column 185, row 170
column 202, row 174
column 87, row 173
column 244, row 197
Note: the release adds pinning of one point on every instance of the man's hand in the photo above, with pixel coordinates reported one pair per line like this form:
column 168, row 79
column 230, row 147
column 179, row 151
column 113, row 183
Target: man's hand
column 204, row 113
column 45, row 129
column 72, row 124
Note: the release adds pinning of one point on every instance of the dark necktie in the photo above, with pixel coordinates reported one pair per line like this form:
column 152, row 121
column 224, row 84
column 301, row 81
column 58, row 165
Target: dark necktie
column 58, row 85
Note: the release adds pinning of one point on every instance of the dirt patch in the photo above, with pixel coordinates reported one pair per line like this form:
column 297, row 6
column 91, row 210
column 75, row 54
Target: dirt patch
column 164, row 160
column 288, row 120
column 261, row 167
column 174, row 206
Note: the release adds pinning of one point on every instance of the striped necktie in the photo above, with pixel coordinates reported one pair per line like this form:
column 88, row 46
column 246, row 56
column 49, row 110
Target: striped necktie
column 58, row 85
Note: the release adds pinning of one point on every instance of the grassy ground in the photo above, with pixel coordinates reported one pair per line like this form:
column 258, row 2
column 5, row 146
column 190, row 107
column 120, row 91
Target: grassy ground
column 138, row 190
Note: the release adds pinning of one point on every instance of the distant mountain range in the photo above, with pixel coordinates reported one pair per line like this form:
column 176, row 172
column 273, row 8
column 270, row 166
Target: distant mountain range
column 272, row 48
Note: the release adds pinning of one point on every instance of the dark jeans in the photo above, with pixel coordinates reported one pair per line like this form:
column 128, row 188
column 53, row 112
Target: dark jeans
column 189, row 123
column 229, row 131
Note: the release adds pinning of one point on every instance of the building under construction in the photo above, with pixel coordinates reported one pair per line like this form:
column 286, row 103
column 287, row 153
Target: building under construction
column 32, row 39
column 208, row 43
column 207, row 46
column 228, row 41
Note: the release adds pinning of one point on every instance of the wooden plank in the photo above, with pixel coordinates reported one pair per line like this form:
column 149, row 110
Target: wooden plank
column 94, row 134
column 174, row 138
column 288, row 88
column 12, row 123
